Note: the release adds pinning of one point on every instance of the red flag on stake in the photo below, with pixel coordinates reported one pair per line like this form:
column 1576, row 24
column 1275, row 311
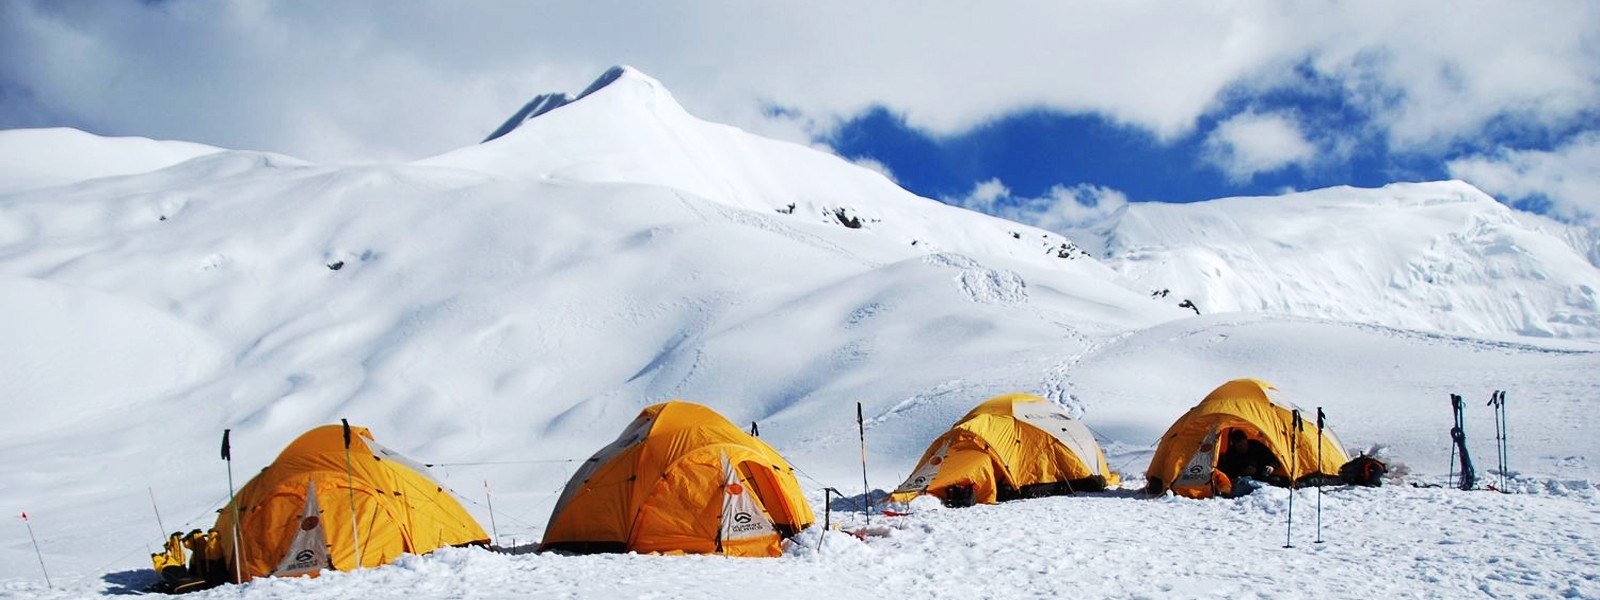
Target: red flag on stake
column 36, row 552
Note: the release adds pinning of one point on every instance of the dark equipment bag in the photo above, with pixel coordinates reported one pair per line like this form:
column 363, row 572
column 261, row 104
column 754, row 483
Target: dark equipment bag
column 1363, row 470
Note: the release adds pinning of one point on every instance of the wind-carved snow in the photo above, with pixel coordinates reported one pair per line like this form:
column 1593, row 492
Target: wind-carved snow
column 980, row 283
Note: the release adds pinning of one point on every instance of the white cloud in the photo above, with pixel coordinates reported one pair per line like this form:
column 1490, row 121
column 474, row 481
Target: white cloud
column 1251, row 143
column 1062, row 209
column 985, row 197
column 876, row 166
column 372, row 80
column 1568, row 176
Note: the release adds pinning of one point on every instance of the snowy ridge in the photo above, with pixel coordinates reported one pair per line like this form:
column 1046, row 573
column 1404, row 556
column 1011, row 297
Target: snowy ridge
column 1433, row 256
column 39, row 158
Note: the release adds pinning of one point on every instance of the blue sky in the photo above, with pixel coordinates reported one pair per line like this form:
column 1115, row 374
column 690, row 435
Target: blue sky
column 989, row 105
column 1035, row 150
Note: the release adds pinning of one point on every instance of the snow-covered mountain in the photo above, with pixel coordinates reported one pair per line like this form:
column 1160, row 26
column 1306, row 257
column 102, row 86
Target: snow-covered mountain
column 1438, row 256
column 518, row 299
column 504, row 309
column 627, row 128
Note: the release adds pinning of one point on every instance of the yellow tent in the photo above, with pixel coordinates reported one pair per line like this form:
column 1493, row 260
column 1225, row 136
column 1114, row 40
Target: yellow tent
column 297, row 516
column 1011, row 446
column 680, row 478
column 1185, row 461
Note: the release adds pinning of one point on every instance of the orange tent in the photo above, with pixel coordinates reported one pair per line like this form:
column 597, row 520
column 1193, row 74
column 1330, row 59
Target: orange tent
column 680, row 478
column 1185, row 461
column 1010, row 446
column 297, row 513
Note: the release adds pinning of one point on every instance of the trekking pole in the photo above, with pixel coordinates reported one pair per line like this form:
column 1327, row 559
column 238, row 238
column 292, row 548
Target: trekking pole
column 1501, row 436
column 489, row 498
column 1320, row 419
column 237, row 534
column 36, row 551
column 163, row 526
column 1505, row 440
column 1494, row 404
column 350, row 480
column 1505, row 450
column 1294, row 459
column 866, row 498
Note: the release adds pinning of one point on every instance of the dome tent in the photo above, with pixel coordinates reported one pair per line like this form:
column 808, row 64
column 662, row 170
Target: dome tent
column 1185, row 460
column 1010, row 446
column 680, row 478
column 296, row 514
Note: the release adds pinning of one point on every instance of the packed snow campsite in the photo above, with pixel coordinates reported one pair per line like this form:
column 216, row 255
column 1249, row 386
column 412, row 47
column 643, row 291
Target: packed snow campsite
column 489, row 319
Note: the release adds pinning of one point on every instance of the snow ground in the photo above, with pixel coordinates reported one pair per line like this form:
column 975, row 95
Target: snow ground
column 1391, row 542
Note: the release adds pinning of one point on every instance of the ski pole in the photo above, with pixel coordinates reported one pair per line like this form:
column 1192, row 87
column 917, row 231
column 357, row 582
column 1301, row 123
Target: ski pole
column 36, row 551
column 866, row 497
column 350, row 479
column 1294, row 458
column 1320, row 419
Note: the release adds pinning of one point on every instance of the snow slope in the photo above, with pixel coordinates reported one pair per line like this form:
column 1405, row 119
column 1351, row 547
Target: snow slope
column 1440, row 256
column 38, row 158
column 503, row 310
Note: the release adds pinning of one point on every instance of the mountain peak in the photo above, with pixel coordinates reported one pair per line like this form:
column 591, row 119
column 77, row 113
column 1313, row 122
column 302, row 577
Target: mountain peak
column 544, row 103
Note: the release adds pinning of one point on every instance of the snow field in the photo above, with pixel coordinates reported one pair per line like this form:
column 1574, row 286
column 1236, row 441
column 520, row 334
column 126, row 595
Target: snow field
column 1389, row 542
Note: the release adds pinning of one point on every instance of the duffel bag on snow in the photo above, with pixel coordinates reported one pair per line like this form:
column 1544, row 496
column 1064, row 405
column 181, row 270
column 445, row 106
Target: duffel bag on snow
column 1363, row 470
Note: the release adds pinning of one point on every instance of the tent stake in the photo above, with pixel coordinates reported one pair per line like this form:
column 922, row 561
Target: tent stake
column 827, row 515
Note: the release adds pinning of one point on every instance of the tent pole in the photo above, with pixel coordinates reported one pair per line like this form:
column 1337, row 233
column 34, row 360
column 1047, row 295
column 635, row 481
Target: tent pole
column 350, row 481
